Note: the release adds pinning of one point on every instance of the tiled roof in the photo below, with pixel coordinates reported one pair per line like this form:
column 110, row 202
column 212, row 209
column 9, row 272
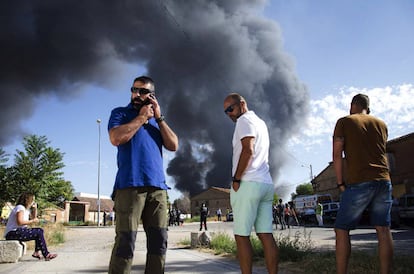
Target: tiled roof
column 402, row 138
column 226, row 190
column 106, row 204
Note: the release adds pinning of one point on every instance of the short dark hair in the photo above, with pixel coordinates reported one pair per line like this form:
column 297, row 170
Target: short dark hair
column 361, row 100
column 236, row 97
column 144, row 79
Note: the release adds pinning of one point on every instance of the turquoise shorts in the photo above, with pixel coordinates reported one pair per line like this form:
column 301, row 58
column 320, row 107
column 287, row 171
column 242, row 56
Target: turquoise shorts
column 252, row 207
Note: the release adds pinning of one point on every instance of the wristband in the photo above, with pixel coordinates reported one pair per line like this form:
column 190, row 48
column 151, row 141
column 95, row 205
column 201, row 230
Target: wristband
column 342, row 184
column 236, row 180
column 159, row 120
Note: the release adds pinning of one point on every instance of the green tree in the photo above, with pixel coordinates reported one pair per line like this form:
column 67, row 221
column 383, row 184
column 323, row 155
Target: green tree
column 4, row 183
column 37, row 169
column 303, row 189
column 275, row 199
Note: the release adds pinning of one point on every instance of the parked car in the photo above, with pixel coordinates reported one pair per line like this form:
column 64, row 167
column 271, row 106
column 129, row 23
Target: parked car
column 307, row 216
column 406, row 208
column 329, row 211
column 229, row 217
column 395, row 214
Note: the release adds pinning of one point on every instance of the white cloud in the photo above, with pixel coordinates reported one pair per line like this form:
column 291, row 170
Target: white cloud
column 394, row 105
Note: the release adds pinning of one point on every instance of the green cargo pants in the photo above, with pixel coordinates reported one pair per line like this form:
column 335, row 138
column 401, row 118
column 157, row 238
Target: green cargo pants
column 148, row 204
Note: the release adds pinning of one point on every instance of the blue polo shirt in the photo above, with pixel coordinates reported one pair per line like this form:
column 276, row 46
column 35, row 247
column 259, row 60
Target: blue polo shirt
column 140, row 159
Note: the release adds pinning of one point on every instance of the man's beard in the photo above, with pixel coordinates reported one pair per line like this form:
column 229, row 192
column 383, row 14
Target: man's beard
column 137, row 103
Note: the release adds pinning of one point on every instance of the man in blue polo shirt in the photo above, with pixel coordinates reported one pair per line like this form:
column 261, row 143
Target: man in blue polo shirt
column 139, row 131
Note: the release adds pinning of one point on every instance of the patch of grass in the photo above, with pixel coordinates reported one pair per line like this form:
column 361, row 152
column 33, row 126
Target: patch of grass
column 79, row 223
column 54, row 234
column 360, row 262
column 193, row 219
column 294, row 248
column 297, row 255
column 185, row 242
column 223, row 243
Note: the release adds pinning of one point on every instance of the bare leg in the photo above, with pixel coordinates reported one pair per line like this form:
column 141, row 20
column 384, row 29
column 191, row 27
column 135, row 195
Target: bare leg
column 245, row 253
column 385, row 248
column 271, row 252
column 343, row 250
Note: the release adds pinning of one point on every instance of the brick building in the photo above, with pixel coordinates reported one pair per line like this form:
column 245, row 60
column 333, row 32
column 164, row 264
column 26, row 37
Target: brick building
column 214, row 198
column 400, row 157
column 84, row 208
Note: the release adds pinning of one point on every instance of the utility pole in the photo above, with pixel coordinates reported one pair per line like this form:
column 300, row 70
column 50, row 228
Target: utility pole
column 311, row 172
column 99, row 167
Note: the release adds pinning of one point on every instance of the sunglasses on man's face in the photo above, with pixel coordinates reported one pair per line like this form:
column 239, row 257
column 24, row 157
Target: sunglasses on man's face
column 230, row 108
column 141, row 90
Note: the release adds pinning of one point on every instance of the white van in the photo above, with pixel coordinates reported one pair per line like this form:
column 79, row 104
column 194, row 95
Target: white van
column 305, row 205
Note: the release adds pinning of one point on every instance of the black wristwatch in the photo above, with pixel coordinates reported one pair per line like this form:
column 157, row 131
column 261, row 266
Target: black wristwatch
column 236, row 180
column 159, row 120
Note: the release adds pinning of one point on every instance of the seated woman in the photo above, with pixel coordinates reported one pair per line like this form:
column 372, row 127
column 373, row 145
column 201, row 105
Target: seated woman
column 17, row 228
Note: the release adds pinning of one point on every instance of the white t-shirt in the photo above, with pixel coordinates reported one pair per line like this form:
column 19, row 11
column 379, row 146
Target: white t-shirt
column 12, row 221
column 250, row 125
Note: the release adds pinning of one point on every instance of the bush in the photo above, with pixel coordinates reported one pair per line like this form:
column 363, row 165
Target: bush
column 294, row 249
column 54, row 234
column 290, row 249
column 223, row 243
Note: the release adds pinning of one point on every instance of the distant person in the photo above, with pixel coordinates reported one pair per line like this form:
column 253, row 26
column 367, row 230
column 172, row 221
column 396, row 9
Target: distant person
column 17, row 228
column 140, row 132
column 112, row 217
column 287, row 215
column 281, row 214
column 319, row 213
column 362, row 139
column 203, row 216
column 218, row 212
column 252, row 189
column 293, row 214
column 275, row 213
column 104, row 218
column 177, row 219
column 172, row 215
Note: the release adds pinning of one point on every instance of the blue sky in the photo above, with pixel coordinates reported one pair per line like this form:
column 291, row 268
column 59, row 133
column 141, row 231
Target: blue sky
column 339, row 48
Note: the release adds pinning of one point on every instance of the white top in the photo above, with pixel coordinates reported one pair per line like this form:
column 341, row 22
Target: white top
column 12, row 221
column 250, row 125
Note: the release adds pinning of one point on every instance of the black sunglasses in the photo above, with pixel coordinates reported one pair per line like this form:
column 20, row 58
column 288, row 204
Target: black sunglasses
column 230, row 108
column 141, row 90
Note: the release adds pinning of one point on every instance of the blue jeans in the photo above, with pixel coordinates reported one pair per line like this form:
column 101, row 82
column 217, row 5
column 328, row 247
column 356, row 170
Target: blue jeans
column 374, row 196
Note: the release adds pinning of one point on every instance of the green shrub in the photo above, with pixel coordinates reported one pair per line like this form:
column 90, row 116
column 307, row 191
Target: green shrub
column 223, row 243
column 294, row 248
column 55, row 234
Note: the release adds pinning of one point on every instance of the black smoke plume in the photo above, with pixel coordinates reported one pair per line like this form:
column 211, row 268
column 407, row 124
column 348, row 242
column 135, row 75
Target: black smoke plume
column 197, row 51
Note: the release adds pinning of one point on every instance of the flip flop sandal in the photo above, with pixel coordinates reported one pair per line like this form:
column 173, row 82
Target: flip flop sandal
column 50, row 256
column 36, row 256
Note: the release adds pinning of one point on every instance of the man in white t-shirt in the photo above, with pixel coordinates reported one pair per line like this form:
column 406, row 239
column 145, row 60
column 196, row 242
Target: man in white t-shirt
column 252, row 190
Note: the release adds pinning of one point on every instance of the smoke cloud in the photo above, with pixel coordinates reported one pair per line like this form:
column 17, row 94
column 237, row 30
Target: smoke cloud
column 197, row 52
